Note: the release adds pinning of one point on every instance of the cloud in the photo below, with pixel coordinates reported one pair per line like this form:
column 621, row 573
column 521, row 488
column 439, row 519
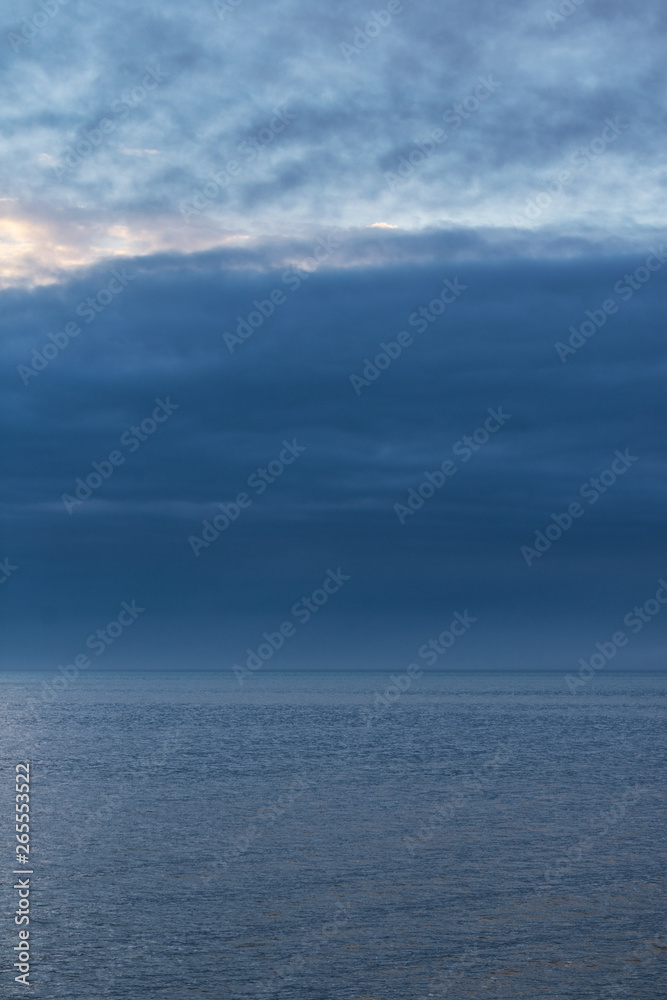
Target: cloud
column 291, row 380
column 219, row 161
column 216, row 87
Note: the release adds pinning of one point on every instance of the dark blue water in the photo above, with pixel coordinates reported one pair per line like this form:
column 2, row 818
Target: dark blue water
column 484, row 835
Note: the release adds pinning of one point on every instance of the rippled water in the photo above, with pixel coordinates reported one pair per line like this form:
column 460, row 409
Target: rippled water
column 482, row 835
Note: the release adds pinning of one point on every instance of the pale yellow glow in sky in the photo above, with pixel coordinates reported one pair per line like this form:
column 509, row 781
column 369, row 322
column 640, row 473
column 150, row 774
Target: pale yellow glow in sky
column 42, row 252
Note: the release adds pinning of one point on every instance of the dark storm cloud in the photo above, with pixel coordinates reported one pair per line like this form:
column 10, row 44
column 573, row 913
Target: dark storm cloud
column 162, row 338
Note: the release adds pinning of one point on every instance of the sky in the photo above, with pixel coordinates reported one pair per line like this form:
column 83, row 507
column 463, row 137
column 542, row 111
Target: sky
column 385, row 282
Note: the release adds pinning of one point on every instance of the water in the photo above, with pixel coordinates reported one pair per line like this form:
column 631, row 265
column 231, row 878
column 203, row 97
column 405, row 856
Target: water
column 484, row 835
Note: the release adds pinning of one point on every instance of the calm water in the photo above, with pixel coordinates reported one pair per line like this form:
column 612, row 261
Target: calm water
column 486, row 835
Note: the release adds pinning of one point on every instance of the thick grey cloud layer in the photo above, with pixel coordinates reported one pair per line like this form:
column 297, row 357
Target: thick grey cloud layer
column 162, row 336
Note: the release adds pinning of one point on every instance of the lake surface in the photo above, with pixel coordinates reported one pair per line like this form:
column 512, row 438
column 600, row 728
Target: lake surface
column 325, row 835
